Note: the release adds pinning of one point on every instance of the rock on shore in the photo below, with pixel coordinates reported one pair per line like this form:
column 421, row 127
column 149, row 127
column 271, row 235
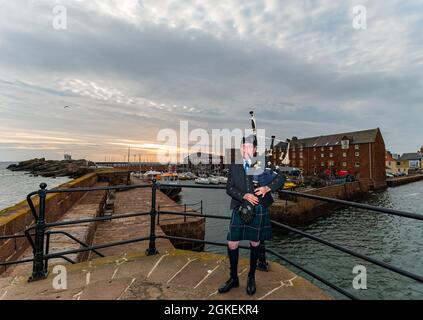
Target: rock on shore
column 54, row 168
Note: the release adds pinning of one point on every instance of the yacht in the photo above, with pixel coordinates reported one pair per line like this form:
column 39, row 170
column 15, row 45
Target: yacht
column 202, row 181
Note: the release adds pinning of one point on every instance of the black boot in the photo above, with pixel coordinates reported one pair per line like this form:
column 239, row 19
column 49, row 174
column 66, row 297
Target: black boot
column 233, row 281
column 251, row 280
column 251, row 285
column 262, row 264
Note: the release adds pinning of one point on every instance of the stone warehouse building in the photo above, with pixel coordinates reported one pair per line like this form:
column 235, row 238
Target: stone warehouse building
column 362, row 153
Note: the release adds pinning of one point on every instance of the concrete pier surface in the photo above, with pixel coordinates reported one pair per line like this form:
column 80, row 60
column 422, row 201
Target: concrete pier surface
column 128, row 273
column 171, row 274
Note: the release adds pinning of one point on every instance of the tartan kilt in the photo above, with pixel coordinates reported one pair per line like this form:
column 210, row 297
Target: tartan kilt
column 259, row 229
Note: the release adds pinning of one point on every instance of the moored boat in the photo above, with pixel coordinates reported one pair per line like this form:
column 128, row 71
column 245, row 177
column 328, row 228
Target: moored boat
column 223, row 180
column 173, row 187
column 214, row 180
column 202, row 181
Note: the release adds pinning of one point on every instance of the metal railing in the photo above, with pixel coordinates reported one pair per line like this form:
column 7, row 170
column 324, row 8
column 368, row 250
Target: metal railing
column 40, row 238
column 185, row 206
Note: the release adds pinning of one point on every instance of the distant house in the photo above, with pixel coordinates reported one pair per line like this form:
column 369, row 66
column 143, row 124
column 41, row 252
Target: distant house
column 362, row 153
column 200, row 162
column 411, row 161
column 392, row 163
column 421, row 152
column 67, row 157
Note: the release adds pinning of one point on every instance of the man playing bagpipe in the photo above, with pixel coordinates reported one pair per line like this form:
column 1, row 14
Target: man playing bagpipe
column 250, row 187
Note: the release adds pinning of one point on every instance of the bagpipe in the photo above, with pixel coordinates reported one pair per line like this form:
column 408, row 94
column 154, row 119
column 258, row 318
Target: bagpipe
column 264, row 174
column 262, row 169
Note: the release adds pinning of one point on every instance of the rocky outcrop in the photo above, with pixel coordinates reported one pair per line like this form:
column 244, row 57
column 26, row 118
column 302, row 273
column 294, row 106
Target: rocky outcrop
column 54, row 168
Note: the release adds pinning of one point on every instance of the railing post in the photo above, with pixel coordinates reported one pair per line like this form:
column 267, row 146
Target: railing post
column 39, row 270
column 185, row 211
column 201, row 208
column 152, row 245
column 158, row 215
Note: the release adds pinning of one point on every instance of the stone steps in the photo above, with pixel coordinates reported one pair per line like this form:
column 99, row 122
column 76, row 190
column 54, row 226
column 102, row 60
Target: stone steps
column 174, row 274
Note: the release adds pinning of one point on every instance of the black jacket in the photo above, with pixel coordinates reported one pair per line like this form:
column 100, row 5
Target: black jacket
column 239, row 183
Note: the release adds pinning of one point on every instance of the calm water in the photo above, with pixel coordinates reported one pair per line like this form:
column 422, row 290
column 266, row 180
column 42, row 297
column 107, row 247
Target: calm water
column 394, row 240
column 14, row 186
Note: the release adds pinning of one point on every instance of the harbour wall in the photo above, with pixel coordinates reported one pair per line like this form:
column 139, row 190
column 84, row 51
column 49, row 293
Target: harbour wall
column 301, row 211
column 17, row 218
column 399, row 181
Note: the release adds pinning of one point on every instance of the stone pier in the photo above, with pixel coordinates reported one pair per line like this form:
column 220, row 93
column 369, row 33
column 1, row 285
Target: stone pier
column 126, row 272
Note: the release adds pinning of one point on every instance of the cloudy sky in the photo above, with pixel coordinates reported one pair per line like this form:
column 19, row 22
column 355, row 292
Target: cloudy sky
column 129, row 68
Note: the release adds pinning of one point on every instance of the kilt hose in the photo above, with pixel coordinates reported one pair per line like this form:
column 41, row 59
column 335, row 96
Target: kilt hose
column 259, row 229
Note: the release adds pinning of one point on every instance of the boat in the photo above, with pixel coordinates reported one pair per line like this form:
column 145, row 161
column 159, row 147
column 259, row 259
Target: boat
column 183, row 176
column 223, row 180
column 214, row 180
column 150, row 175
column 186, row 176
column 169, row 178
column 289, row 186
column 202, row 181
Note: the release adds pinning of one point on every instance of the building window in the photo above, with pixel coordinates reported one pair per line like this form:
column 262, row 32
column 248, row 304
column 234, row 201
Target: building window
column 331, row 155
column 331, row 148
column 293, row 156
column 322, row 164
column 344, row 154
column 322, row 149
column 301, row 163
column 322, row 155
column 357, row 147
column 345, row 144
column 314, row 149
column 314, row 158
column 344, row 164
column 301, row 155
column 357, row 154
column 357, row 164
column 331, row 163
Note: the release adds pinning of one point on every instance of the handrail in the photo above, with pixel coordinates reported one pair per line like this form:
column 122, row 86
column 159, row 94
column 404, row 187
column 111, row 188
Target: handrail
column 12, row 236
column 7, row 263
column 88, row 189
column 50, row 232
column 85, row 220
column 192, row 186
column 351, row 252
column 196, row 215
column 320, row 240
column 31, row 204
column 356, row 205
column 99, row 246
column 180, row 205
column 314, row 275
